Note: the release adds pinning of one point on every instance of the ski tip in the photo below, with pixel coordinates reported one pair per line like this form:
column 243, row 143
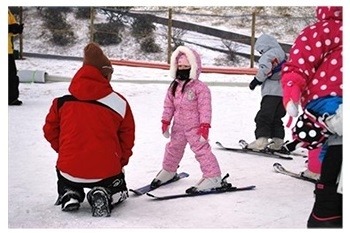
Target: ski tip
column 183, row 174
column 137, row 193
column 150, row 195
column 251, row 186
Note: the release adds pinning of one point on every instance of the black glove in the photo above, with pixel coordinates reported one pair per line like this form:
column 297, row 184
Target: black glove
column 254, row 83
column 16, row 28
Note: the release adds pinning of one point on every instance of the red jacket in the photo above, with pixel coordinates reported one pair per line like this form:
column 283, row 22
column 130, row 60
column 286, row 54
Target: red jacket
column 315, row 62
column 92, row 130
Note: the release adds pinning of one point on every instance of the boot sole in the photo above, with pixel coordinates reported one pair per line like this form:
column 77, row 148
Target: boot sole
column 99, row 205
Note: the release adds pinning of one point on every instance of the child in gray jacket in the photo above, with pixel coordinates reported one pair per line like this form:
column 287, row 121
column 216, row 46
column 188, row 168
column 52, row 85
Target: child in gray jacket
column 268, row 119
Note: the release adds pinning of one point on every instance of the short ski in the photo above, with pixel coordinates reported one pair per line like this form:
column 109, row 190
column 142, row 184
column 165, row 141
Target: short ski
column 280, row 169
column 147, row 188
column 260, row 153
column 174, row 196
column 282, row 153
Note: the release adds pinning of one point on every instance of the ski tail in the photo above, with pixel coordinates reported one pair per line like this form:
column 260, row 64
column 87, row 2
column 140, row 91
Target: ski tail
column 147, row 188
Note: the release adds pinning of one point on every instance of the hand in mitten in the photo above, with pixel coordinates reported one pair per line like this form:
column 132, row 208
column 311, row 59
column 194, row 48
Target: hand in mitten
column 291, row 97
column 165, row 128
column 203, row 131
column 16, row 28
column 292, row 109
column 254, row 83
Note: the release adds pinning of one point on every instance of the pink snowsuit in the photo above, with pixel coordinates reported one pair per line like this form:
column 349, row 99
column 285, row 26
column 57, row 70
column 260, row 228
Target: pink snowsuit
column 188, row 109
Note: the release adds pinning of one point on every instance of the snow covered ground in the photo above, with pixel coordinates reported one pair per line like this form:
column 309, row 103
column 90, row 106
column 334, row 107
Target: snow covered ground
column 277, row 202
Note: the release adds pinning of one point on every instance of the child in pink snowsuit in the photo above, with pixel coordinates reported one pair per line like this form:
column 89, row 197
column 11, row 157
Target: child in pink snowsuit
column 188, row 104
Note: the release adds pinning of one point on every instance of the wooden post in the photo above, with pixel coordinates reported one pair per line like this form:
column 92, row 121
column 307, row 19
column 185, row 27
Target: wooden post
column 170, row 24
column 92, row 30
column 252, row 41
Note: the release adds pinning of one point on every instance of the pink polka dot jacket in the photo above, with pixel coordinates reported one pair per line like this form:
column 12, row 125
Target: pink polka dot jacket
column 315, row 61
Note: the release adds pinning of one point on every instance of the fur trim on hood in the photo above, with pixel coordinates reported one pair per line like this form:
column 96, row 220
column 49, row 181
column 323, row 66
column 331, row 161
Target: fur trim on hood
column 193, row 58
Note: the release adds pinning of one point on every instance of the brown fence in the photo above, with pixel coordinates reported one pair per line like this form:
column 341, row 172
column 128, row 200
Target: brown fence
column 253, row 21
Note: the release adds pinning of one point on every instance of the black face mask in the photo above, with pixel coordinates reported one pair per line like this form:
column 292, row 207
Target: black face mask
column 183, row 74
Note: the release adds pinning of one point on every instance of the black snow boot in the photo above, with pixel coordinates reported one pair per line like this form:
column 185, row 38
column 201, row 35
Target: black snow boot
column 100, row 201
column 327, row 211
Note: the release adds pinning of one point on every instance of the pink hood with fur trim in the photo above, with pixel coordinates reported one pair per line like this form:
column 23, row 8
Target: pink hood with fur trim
column 193, row 58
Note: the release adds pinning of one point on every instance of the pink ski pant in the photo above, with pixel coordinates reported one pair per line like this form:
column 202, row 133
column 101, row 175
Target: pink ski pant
column 175, row 149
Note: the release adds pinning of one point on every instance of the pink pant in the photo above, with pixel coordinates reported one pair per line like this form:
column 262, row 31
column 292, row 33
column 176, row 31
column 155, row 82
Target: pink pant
column 175, row 149
column 314, row 163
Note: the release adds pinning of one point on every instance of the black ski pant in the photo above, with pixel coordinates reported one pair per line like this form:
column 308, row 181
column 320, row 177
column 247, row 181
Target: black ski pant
column 13, row 80
column 112, row 185
column 269, row 118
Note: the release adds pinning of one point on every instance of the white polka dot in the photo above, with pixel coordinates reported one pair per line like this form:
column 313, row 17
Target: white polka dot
column 306, row 72
column 334, row 61
column 300, row 124
column 322, row 74
column 313, row 70
column 313, row 27
column 307, row 47
column 328, row 42
column 333, row 93
column 315, row 97
column 325, row 24
column 304, row 38
column 301, row 61
column 285, row 68
column 341, row 69
column 318, row 44
column 341, row 86
column 312, row 133
column 314, row 81
column 311, row 58
column 333, row 78
column 326, row 30
column 302, row 135
column 314, row 35
column 296, row 51
column 336, row 40
column 323, row 87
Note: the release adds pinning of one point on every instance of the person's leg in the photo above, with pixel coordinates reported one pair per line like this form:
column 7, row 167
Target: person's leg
column 13, row 82
column 277, row 128
column 263, row 121
column 208, row 163
column 327, row 210
column 70, row 194
column 106, row 194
